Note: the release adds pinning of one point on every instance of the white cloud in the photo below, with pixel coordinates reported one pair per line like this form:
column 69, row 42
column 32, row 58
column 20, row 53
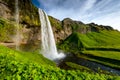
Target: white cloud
column 110, row 19
column 104, row 12
column 88, row 5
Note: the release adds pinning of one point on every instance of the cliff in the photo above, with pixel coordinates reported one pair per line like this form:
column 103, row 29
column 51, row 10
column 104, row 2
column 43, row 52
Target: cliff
column 30, row 24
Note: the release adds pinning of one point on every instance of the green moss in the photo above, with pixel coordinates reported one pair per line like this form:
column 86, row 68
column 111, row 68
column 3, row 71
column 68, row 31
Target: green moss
column 6, row 29
column 76, row 27
column 72, row 43
column 55, row 23
column 76, row 66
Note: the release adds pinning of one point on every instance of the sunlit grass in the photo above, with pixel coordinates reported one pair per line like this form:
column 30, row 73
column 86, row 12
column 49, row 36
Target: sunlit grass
column 34, row 57
column 15, row 65
column 106, row 54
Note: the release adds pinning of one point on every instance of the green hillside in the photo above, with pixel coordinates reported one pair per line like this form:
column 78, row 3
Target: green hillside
column 107, row 39
column 102, row 47
column 15, row 65
column 33, row 57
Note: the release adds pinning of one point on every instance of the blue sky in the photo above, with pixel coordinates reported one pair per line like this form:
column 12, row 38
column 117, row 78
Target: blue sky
column 105, row 12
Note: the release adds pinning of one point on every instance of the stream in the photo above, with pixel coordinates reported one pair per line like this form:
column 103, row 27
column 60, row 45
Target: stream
column 90, row 64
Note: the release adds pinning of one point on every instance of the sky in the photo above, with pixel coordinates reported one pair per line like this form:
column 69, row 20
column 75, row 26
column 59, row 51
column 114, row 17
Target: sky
column 103, row 12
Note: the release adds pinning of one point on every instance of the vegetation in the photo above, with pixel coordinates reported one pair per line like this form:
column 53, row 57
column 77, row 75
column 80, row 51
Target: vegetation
column 105, row 61
column 102, row 47
column 6, row 30
column 92, row 40
column 55, row 23
column 77, row 67
column 104, row 54
column 13, row 65
column 34, row 57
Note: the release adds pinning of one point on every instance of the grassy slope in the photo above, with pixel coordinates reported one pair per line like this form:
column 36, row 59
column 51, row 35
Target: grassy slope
column 105, row 39
column 105, row 54
column 101, row 39
column 103, row 44
column 34, row 57
column 23, row 66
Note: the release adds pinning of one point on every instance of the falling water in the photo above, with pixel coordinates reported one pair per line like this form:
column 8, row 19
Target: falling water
column 17, row 40
column 49, row 49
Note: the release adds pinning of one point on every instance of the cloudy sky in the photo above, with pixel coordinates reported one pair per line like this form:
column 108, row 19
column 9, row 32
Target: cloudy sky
column 105, row 12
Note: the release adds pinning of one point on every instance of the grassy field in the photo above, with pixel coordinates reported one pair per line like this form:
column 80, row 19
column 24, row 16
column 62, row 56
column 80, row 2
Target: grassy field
column 101, row 39
column 105, row 54
column 102, row 47
column 15, row 65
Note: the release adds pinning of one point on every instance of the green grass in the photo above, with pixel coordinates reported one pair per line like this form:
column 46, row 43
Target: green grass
column 101, row 60
column 102, row 39
column 15, row 65
column 85, row 69
column 78, row 67
column 76, row 42
column 102, row 47
column 55, row 23
column 34, row 57
column 109, row 58
column 106, row 54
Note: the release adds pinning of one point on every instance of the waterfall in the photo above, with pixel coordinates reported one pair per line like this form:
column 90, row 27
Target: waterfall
column 49, row 49
column 17, row 37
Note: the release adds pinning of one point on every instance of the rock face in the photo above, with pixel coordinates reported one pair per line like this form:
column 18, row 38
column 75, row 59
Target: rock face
column 30, row 24
column 27, row 12
column 96, row 28
column 61, row 31
column 4, row 10
column 29, row 21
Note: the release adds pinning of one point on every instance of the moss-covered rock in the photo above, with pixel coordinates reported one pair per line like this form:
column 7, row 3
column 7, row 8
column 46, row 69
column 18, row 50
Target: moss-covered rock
column 7, row 30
